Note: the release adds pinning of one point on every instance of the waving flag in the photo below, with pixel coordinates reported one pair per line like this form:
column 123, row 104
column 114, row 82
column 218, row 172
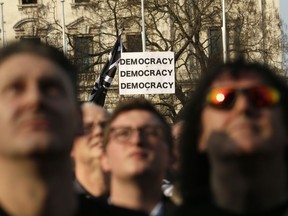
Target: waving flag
column 107, row 74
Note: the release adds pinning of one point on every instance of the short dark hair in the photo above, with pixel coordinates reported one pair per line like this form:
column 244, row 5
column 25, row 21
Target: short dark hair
column 137, row 103
column 194, row 166
column 46, row 51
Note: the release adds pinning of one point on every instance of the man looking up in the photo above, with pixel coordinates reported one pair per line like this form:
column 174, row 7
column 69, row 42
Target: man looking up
column 234, row 150
column 137, row 154
column 39, row 118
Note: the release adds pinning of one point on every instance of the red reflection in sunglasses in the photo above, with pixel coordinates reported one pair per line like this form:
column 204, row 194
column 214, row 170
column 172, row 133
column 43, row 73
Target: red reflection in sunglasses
column 258, row 96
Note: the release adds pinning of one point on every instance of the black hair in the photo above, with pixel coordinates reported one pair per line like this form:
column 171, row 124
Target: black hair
column 46, row 51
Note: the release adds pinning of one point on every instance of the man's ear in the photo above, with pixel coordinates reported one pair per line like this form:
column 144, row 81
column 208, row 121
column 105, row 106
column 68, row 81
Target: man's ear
column 105, row 162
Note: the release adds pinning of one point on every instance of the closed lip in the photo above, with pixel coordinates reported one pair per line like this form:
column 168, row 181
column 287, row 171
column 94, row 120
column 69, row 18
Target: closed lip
column 138, row 153
column 36, row 123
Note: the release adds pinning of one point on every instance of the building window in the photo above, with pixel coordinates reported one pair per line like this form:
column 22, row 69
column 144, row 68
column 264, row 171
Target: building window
column 81, row 1
column 237, row 39
column 134, row 42
column 215, row 41
column 34, row 39
column 134, row 2
column 83, row 50
column 29, row 1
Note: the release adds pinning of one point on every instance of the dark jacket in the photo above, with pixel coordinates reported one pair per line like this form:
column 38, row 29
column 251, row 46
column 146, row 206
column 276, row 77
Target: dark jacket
column 100, row 207
column 207, row 210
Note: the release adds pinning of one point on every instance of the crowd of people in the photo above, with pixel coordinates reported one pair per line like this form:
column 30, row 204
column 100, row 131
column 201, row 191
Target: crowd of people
column 226, row 155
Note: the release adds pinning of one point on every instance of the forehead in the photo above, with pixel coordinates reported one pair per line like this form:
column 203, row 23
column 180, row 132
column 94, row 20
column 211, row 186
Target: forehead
column 93, row 113
column 245, row 79
column 136, row 118
column 28, row 66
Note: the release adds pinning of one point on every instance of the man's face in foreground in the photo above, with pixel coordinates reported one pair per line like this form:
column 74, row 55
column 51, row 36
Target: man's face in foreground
column 38, row 111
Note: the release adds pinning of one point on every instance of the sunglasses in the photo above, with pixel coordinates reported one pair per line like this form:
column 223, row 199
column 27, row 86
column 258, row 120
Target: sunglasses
column 259, row 96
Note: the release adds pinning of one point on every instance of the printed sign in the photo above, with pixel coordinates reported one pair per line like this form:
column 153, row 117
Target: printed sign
column 146, row 73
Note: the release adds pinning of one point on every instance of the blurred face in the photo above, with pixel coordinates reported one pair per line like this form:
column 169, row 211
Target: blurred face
column 88, row 147
column 136, row 146
column 38, row 111
column 245, row 127
column 176, row 132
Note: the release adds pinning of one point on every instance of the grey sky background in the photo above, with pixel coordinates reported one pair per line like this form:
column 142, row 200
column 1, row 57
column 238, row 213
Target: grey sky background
column 284, row 10
column 284, row 17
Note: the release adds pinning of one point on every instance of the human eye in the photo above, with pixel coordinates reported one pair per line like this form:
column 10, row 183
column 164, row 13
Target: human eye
column 152, row 131
column 14, row 88
column 88, row 128
column 102, row 124
column 53, row 88
column 122, row 133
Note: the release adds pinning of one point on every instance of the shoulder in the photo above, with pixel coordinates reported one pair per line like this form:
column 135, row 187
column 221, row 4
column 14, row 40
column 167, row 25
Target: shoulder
column 119, row 211
column 3, row 213
column 169, row 207
column 199, row 210
column 100, row 207
column 90, row 206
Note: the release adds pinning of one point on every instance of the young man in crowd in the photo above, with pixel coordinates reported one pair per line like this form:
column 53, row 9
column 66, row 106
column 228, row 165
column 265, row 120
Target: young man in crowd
column 90, row 179
column 137, row 154
column 234, row 144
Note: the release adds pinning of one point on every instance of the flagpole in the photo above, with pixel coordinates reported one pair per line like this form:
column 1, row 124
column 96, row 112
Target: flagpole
column 2, row 24
column 224, row 32
column 143, row 27
column 63, row 29
column 143, row 34
column 107, row 74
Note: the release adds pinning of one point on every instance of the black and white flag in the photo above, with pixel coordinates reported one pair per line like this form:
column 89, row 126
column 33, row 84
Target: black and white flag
column 107, row 74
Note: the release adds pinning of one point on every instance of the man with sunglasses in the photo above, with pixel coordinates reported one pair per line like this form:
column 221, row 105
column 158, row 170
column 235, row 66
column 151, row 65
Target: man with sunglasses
column 137, row 154
column 234, row 145
column 90, row 179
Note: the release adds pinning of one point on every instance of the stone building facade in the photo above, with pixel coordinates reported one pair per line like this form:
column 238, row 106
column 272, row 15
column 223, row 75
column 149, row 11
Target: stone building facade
column 190, row 28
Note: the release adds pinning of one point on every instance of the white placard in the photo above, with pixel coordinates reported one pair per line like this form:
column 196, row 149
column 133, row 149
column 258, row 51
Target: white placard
column 146, row 73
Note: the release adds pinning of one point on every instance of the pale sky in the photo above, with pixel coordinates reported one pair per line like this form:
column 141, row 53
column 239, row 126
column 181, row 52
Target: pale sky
column 284, row 10
column 284, row 17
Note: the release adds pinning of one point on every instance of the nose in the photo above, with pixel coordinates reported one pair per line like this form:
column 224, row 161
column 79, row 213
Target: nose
column 33, row 96
column 97, row 130
column 243, row 105
column 136, row 137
